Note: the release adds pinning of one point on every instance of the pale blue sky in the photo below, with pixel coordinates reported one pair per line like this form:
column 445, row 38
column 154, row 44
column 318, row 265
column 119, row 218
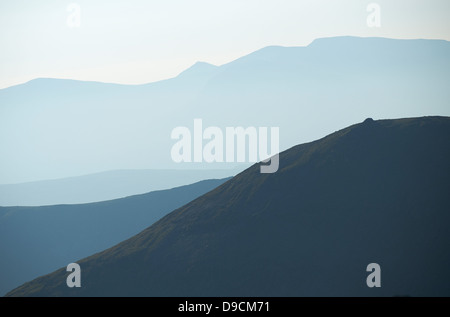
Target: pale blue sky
column 138, row 41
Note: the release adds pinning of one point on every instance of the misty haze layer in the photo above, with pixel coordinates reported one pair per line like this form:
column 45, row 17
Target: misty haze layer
column 52, row 128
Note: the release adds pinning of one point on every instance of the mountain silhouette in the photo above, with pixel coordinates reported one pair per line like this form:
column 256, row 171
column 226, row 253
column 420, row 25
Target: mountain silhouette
column 374, row 192
column 55, row 128
column 37, row 240
column 199, row 70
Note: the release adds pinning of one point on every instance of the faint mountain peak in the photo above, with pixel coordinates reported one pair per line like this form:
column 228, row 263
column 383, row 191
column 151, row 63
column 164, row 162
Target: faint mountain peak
column 199, row 69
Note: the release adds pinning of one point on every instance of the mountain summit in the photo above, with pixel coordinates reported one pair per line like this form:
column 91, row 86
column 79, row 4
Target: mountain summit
column 375, row 192
column 200, row 69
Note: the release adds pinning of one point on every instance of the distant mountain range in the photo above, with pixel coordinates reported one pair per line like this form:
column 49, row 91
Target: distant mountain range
column 103, row 186
column 375, row 192
column 54, row 128
column 37, row 240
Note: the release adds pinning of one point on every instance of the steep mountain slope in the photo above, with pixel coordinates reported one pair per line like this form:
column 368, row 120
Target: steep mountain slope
column 373, row 192
column 53, row 128
column 38, row 240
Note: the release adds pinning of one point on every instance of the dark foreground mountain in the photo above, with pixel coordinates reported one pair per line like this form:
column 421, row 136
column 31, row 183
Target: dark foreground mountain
column 38, row 240
column 375, row 192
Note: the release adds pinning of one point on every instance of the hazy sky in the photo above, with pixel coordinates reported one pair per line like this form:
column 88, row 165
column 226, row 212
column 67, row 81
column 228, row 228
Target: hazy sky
column 137, row 41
